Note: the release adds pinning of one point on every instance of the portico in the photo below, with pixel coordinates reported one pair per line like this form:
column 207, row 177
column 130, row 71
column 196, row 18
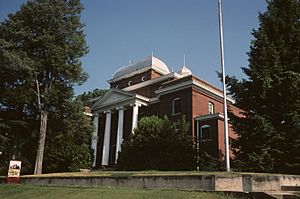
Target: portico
column 112, row 107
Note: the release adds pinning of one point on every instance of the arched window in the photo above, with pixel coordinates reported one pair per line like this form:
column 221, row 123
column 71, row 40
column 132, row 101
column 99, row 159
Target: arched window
column 205, row 132
column 211, row 108
column 176, row 106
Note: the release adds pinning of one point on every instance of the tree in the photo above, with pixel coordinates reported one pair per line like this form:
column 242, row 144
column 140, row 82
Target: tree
column 68, row 141
column 42, row 44
column 158, row 144
column 87, row 97
column 269, row 129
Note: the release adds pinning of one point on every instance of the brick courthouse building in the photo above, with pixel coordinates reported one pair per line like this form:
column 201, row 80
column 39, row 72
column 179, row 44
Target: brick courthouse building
column 147, row 88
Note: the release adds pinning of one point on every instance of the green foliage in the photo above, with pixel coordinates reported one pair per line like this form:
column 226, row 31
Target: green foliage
column 68, row 141
column 87, row 97
column 43, row 41
column 269, row 129
column 17, row 141
column 67, row 144
column 209, row 163
column 40, row 47
column 158, row 144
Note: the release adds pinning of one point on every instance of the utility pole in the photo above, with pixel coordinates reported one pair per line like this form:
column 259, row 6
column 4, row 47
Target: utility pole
column 224, row 87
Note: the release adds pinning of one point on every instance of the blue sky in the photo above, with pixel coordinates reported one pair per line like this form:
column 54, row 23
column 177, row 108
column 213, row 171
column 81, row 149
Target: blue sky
column 121, row 30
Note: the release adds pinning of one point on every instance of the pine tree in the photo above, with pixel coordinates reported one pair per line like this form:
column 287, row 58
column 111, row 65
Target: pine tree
column 269, row 131
column 41, row 46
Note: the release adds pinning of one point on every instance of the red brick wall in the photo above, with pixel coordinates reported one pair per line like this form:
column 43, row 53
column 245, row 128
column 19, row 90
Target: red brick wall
column 150, row 74
column 221, row 145
column 200, row 105
column 127, row 123
column 166, row 103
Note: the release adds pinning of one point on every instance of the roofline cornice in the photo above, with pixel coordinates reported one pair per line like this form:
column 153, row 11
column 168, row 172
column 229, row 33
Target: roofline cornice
column 209, row 117
column 193, row 83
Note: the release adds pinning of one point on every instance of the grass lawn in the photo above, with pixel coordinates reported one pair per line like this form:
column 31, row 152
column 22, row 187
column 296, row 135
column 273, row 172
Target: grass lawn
column 32, row 192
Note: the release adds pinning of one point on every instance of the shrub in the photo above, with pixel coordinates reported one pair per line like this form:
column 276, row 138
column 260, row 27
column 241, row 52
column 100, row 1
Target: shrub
column 158, row 144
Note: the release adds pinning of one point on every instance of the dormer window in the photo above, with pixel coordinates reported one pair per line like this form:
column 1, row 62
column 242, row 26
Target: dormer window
column 129, row 83
column 211, row 108
column 176, row 106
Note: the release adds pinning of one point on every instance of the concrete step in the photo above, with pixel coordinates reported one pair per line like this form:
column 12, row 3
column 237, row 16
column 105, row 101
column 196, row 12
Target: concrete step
column 283, row 194
column 290, row 188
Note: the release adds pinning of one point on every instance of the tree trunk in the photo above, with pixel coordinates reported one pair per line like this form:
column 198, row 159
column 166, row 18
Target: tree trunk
column 41, row 144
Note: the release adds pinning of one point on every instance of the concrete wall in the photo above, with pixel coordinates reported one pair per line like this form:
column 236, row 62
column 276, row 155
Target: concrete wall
column 265, row 183
column 201, row 182
column 234, row 182
column 229, row 183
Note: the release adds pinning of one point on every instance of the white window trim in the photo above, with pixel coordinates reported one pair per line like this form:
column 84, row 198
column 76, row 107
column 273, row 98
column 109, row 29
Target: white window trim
column 211, row 108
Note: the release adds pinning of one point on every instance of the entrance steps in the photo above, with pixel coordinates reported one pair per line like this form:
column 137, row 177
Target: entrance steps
column 287, row 192
column 283, row 194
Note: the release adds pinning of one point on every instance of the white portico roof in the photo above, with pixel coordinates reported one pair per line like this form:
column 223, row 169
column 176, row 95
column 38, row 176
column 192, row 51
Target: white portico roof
column 115, row 98
column 150, row 62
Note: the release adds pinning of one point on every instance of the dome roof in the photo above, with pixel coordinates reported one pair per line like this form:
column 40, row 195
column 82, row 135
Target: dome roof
column 150, row 62
column 184, row 71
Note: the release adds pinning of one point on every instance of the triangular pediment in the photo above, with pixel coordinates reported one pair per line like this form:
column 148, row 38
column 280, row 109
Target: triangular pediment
column 113, row 96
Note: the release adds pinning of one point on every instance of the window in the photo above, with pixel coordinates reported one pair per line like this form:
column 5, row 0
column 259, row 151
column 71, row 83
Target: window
column 211, row 108
column 205, row 132
column 143, row 78
column 176, row 109
column 129, row 83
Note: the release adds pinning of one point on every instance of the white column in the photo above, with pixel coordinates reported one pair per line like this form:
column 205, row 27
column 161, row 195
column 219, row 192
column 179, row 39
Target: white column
column 119, row 132
column 95, row 138
column 135, row 113
column 106, row 142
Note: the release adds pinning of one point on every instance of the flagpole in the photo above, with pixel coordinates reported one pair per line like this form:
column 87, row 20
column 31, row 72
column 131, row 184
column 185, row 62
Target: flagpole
column 224, row 87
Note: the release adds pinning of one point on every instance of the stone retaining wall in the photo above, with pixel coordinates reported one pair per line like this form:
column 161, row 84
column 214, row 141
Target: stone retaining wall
column 235, row 182
column 205, row 182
